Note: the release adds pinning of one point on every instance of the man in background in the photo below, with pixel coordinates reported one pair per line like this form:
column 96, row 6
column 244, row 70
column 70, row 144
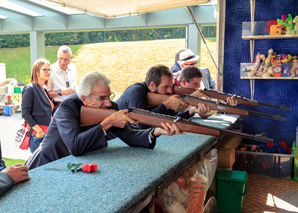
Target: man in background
column 64, row 74
column 188, row 58
column 177, row 67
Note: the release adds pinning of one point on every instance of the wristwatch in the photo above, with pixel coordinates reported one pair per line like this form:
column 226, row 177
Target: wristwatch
column 59, row 92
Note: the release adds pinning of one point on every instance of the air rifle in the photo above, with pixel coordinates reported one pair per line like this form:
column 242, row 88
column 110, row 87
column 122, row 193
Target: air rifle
column 93, row 116
column 154, row 99
column 194, row 101
column 222, row 96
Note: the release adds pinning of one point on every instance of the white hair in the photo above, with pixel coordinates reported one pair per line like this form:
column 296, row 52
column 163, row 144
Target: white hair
column 64, row 49
column 89, row 81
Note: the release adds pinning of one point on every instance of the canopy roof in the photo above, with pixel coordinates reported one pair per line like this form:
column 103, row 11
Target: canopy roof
column 118, row 8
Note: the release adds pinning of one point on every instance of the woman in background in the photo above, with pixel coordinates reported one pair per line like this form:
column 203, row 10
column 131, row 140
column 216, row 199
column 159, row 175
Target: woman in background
column 37, row 106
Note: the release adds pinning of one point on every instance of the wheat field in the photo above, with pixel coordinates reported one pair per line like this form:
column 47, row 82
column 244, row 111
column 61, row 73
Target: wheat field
column 125, row 63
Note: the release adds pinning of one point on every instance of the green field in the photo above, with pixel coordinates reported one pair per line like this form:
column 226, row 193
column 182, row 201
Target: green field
column 17, row 60
column 9, row 162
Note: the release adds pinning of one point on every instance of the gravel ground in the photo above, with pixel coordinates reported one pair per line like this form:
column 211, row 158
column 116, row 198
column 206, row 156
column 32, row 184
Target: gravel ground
column 8, row 129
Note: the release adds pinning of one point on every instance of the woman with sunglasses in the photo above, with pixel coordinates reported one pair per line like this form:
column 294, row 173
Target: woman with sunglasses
column 37, row 106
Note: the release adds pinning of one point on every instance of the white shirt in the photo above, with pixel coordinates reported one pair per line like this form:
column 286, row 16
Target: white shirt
column 59, row 77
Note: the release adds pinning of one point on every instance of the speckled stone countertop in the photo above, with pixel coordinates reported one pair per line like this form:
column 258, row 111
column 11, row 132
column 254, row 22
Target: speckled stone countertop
column 125, row 175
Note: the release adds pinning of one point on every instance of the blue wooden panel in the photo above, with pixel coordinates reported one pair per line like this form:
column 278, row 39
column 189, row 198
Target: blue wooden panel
column 277, row 92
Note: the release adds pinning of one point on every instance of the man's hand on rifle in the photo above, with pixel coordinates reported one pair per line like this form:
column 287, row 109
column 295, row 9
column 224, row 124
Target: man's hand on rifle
column 117, row 119
column 175, row 103
column 167, row 129
column 199, row 94
column 203, row 110
column 231, row 101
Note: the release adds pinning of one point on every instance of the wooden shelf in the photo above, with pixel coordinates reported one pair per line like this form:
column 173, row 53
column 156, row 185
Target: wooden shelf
column 258, row 37
column 271, row 78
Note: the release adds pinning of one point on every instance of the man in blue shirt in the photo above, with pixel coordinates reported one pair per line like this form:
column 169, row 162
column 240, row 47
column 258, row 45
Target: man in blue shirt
column 159, row 79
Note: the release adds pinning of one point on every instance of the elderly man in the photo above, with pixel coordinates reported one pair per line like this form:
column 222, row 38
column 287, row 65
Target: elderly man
column 159, row 79
column 175, row 68
column 65, row 136
column 188, row 58
column 64, row 74
column 11, row 175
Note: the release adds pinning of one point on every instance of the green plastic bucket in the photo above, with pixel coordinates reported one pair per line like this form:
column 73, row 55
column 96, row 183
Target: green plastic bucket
column 231, row 187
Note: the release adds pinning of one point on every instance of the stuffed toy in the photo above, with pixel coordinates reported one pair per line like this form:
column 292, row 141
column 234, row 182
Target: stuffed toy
column 253, row 69
column 269, row 23
column 294, row 69
column 265, row 71
column 287, row 23
column 285, row 66
column 285, row 58
column 296, row 25
column 261, row 68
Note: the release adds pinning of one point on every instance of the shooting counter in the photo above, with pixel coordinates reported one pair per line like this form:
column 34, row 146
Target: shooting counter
column 126, row 180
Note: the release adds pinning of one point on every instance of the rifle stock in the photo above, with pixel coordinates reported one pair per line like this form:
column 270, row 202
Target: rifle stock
column 93, row 116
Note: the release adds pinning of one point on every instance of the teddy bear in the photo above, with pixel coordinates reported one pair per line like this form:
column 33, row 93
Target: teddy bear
column 294, row 69
column 296, row 25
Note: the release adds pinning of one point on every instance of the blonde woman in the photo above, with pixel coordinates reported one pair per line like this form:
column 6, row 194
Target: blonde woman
column 37, row 106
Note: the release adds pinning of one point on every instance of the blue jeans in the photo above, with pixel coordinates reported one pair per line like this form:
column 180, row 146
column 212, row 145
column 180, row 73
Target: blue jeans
column 34, row 143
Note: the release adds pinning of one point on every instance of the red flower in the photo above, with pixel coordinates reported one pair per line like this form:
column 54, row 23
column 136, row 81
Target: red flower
column 89, row 167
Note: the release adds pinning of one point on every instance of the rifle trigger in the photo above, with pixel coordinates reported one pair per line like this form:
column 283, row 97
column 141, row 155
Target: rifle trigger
column 177, row 119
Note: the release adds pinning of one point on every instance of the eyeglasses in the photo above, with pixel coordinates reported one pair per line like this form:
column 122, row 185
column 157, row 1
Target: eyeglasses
column 64, row 59
column 109, row 98
column 46, row 70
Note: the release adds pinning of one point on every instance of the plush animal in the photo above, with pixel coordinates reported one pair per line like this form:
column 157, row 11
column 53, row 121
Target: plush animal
column 287, row 22
column 285, row 58
column 261, row 68
column 294, row 69
column 254, row 68
column 268, row 60
column 296, row 25
column 265, row 69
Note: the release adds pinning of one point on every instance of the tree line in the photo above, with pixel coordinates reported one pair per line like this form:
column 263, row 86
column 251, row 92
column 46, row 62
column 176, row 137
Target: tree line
column 71, row 38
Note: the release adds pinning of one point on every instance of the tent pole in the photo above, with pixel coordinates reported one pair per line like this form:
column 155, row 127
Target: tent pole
column 203, row 38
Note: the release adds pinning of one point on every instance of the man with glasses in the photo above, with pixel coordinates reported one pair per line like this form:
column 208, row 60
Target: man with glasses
column 66, row 137
column 64, row 74
column 188, row 58
column 159, row 79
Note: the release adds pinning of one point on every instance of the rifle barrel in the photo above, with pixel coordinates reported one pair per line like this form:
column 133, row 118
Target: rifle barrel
column 181, row 123
column 284, row 107
column 192, row 100
column 93, row 116
column 223, row 96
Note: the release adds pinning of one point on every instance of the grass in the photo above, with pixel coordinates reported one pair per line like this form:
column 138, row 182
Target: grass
column 9, row 162
column 17, row 60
